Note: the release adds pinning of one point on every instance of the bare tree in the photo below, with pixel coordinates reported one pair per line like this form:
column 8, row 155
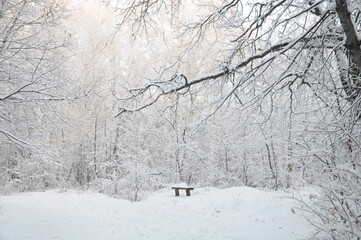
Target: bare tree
column 303, row 54
column 30, row 79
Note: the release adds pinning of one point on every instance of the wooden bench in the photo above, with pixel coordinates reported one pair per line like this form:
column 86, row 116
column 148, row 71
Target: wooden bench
column 187, row 189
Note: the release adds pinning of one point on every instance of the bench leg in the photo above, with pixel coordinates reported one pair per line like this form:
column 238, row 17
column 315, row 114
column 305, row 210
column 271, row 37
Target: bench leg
column 176, row 192
column 188, row 192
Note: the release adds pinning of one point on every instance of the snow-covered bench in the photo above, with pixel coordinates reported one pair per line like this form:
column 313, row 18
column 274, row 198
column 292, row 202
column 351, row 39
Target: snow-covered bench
column 187, row 189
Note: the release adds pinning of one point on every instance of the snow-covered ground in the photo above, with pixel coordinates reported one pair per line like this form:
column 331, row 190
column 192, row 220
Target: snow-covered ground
column 209, row 214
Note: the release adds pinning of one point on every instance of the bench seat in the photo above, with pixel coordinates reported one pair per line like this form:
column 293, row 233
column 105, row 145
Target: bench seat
column 187, row 189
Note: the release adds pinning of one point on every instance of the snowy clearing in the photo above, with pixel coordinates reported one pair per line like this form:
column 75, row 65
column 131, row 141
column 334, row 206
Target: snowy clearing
column 234, row 213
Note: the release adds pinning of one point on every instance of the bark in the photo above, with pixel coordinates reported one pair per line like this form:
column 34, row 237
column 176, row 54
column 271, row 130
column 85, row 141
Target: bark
column 352, row 86
column 352, row 43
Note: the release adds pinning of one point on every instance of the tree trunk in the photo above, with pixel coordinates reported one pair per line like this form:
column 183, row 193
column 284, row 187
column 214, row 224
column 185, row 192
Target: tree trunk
column 353, row 84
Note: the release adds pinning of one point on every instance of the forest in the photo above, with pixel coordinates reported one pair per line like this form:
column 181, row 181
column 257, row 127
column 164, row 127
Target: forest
column 125, row 97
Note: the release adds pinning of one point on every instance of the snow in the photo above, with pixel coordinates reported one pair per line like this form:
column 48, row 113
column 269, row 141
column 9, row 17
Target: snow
column 234, row 213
